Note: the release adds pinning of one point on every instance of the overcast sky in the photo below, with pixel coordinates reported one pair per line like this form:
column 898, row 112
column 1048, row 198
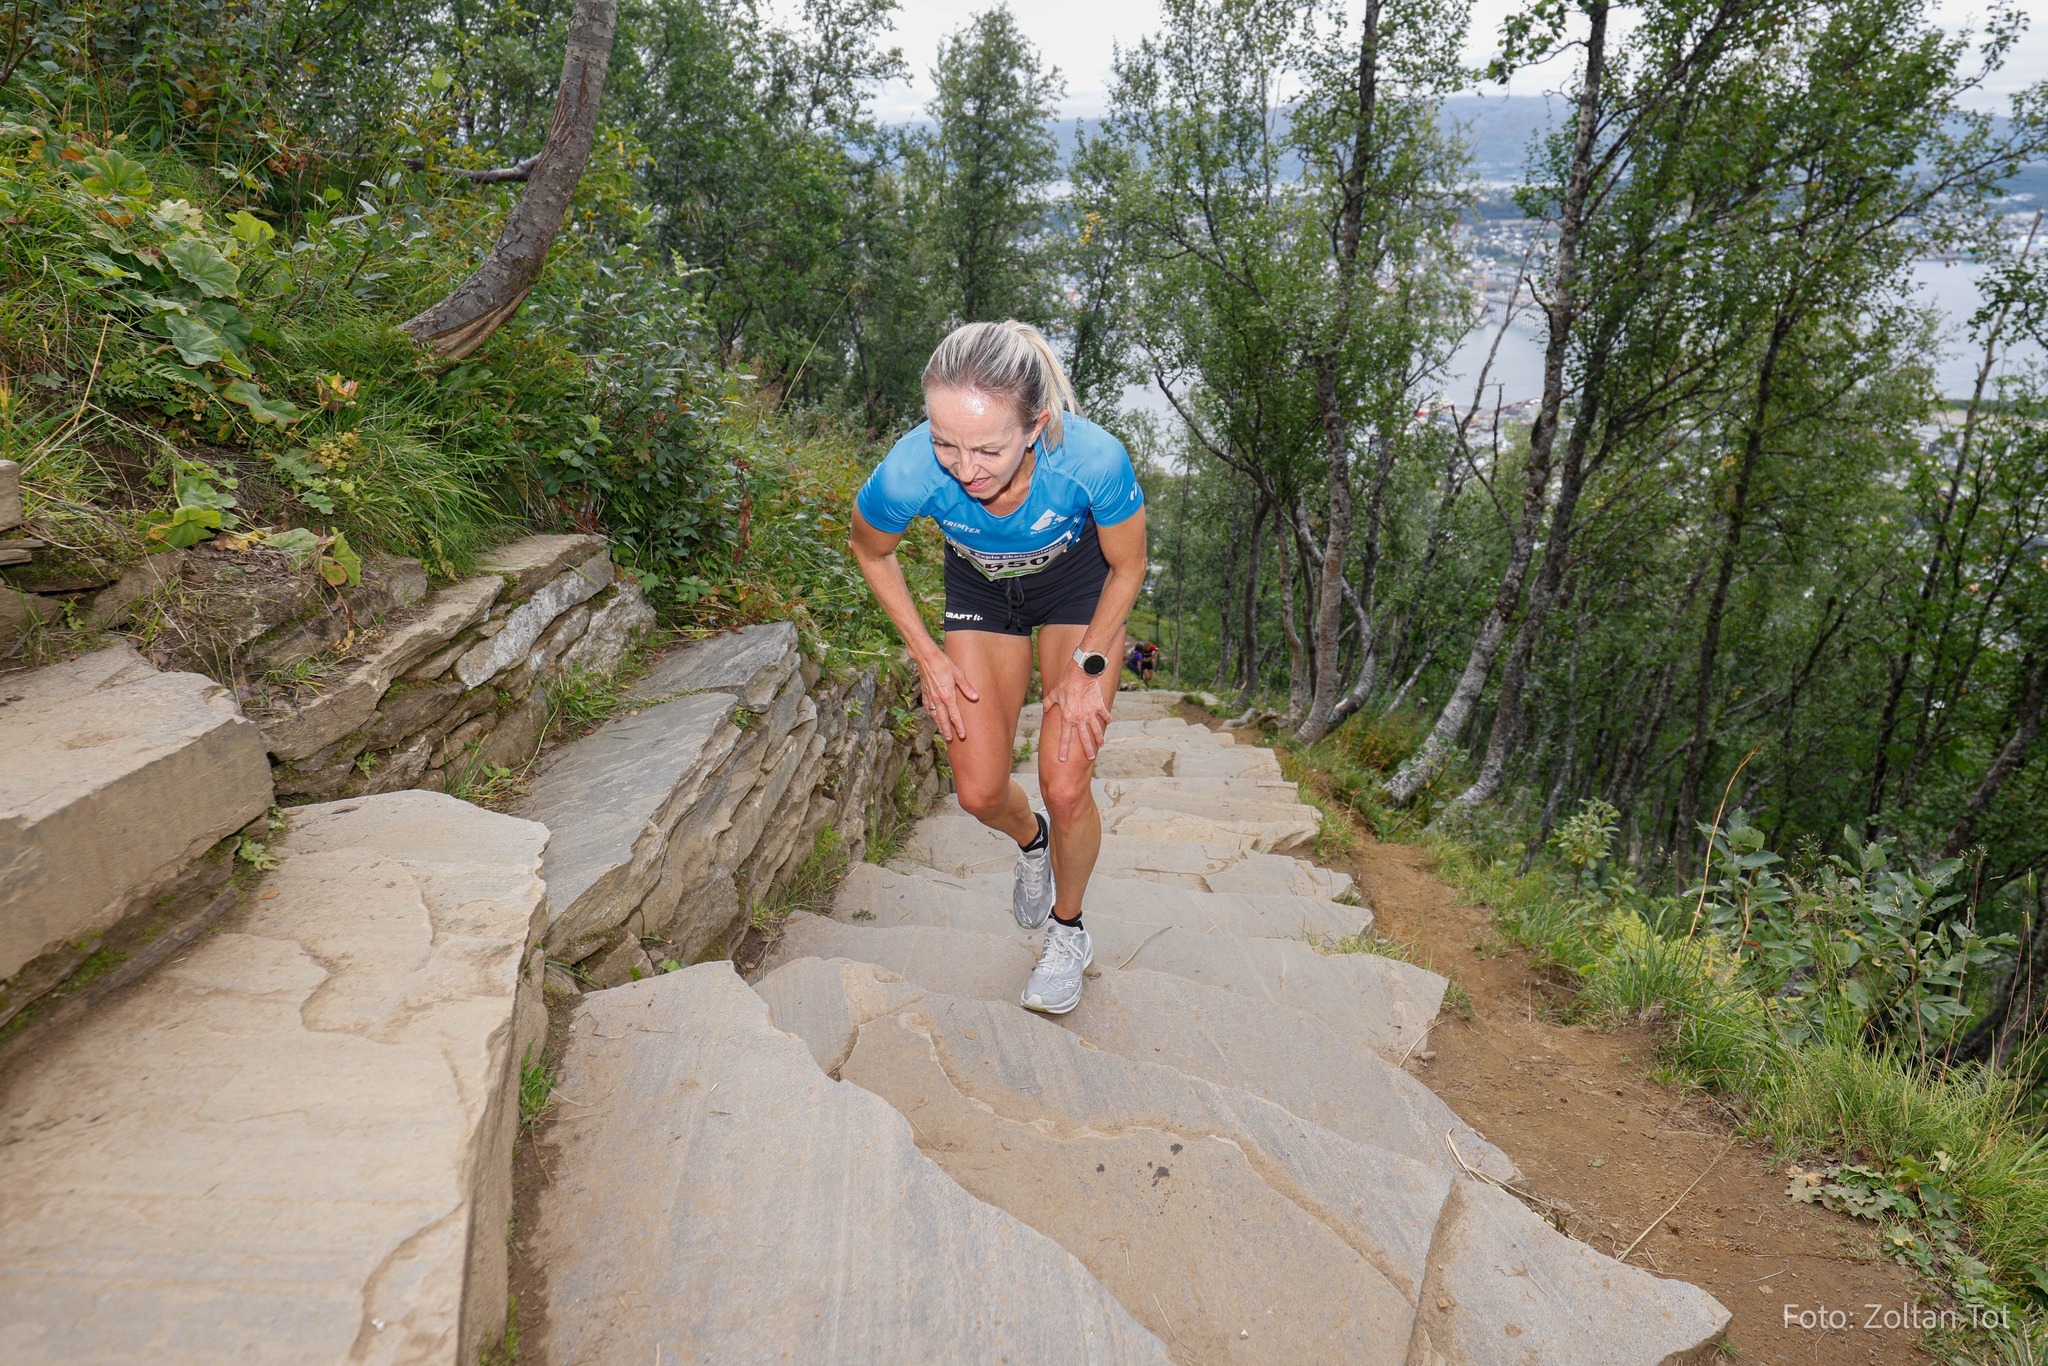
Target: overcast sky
column 1080, row 36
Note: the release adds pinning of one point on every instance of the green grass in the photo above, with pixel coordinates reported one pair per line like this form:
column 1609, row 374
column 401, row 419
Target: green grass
column 889, row 823
column 1457, row 1000
column 810, row 888
column 489, row 785
column 536, row 1089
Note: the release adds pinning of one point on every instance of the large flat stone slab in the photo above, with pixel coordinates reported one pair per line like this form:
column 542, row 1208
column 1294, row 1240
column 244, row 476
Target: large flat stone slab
column 963, row 847
column 612, row 799
column 1237, row 1229
column 1377, row 1002
column 1367, row 1018
column 885, row 896
column 751, row 663
column 292, row 1143
column 527, row 563
column 1503, row 1276
column 1129, row 706
column 113, row 776
column 1285, row 1056
column 714, row 1196
column 347, row 703
column 1263, row 818
column 1262, row 829
column 517, row 633
column 1243, row 761
column 1171, row 729
column 1176, row 1218
column 1177, row 794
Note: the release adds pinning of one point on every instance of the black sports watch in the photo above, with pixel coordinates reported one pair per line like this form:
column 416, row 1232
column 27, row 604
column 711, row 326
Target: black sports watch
column 1092, row 662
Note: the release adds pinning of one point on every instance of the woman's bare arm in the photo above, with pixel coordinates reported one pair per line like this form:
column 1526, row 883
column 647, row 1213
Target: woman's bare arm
column 942, row 680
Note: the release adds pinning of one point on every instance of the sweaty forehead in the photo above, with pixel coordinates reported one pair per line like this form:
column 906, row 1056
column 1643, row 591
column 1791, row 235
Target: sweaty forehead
column 970, row 418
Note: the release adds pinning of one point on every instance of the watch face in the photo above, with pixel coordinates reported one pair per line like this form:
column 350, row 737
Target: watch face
column 1093, row 665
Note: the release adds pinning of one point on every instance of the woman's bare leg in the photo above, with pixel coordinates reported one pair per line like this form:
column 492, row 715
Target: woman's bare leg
column 999, row 666
column 1067, row 786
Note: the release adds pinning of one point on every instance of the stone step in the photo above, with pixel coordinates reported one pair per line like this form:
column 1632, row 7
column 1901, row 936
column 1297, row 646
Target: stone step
column 1129, row 706
column 293, row 1143
column 713, row 1196
column 1265, row 819
column 884, row 896
column 655, row 809
column 1231, row 1227
column 961, row 846
column 1281, row 830
column 113, row 778
column 1286, row 1055
column 1183, row 794
column 1367, row 1000
column 1170, row 730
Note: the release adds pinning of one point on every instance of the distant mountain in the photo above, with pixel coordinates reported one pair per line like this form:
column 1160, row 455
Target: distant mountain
column 1503, row 129
column 1500, row 128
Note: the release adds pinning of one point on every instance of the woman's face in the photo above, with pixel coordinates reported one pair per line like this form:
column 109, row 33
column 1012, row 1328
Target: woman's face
column 978, row 438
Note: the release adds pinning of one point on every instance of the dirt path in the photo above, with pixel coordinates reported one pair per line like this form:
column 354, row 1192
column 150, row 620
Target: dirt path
column 1573, row 1106
column 1576, row 1110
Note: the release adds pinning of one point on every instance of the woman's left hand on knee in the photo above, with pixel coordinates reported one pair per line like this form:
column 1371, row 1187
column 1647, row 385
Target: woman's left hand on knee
column 1084, row 715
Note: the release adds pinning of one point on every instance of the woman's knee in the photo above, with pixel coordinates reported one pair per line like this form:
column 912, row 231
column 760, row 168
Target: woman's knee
column 1067, row 798
column 983, row 801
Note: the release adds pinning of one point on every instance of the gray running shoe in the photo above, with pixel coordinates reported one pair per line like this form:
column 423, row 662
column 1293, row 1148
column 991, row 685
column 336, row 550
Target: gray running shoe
column 1055, row 985
column 1032, row 897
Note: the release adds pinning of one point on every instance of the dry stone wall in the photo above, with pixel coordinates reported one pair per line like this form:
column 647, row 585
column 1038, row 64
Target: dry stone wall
column 450, row 684
column 669, row 824
column 673, row 822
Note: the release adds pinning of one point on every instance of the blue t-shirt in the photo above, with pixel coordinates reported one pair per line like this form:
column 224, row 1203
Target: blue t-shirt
column 1088, row 478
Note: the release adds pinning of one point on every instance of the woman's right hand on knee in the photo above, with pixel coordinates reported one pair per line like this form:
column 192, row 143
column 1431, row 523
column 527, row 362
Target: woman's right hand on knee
column 944, row 684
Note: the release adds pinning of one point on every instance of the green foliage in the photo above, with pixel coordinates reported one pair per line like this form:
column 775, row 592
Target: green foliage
column 536, row 1089
column 1865, row 949
column 256, row 854
column 201, row 508
column 475, row 780
column 1921, row 1213
column 889, row 821
column 1588, row 837
column 582, row 700
column 984, row 172
column 811, row 886
column 157, row 269
column 330, row 557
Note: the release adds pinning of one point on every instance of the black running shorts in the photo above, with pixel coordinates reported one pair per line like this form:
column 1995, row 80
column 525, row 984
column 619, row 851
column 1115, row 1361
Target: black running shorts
column 1064, row 593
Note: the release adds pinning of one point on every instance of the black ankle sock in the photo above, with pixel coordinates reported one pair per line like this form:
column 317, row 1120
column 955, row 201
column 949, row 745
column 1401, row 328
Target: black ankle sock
column 1044, row 833
column 1073, row 924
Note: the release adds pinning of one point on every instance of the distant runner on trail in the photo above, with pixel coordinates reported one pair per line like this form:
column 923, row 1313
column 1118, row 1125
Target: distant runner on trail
column 1045, row 530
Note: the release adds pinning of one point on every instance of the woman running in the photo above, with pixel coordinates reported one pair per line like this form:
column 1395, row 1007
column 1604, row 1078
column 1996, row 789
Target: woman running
column 1045, row 530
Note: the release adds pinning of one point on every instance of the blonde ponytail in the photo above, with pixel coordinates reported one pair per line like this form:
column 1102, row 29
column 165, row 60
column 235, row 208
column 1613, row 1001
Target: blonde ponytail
column 1010, row 360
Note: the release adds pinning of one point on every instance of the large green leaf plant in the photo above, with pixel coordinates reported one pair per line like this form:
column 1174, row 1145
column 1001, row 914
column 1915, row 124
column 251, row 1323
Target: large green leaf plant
column 173, row 274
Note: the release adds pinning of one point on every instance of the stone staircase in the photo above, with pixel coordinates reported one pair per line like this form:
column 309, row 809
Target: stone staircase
column 1217, row 1157
column 261, row 1092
